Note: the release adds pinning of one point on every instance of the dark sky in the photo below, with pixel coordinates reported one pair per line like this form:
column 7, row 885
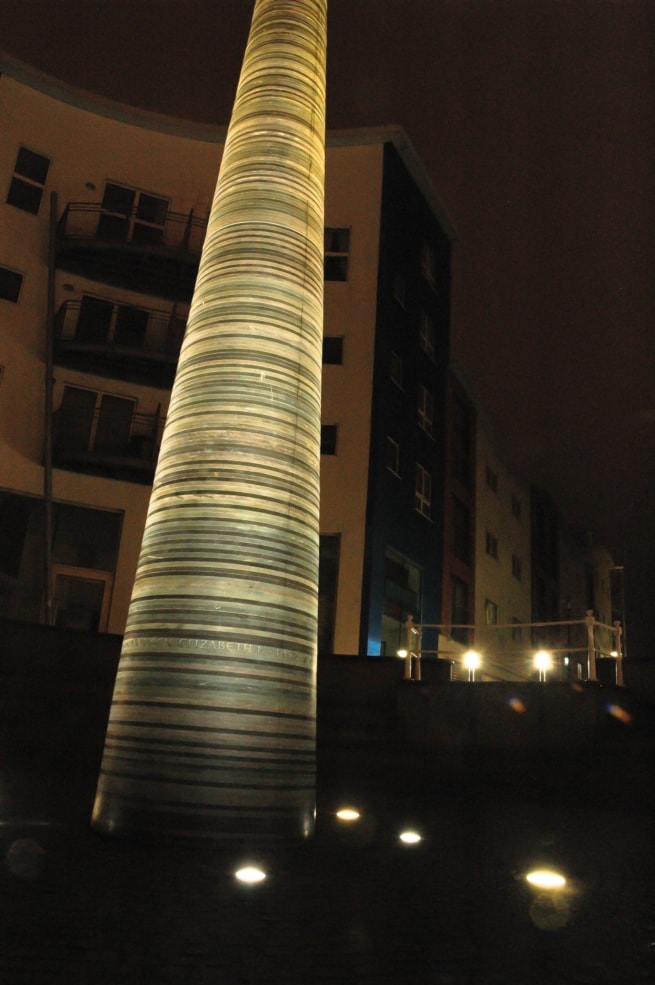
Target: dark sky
column 535, row 120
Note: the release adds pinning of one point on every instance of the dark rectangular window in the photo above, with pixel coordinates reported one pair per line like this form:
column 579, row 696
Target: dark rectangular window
column 28, row 182
column 491, row 545
column 333, row 350
column 336, row 245
column 397, row 369
column 490, row 612
column 131, row 216
column 329, row 439
column 423, row 492
column 462, row 441
column 516, row 567
column 491, row 479
column 393, row 456
column 10, row 284
column 516, row 507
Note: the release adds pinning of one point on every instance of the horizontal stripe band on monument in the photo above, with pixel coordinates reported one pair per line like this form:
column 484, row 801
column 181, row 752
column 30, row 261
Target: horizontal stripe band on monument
column 126, row 763
column 215, row 709
column 175, row 729
column 264, row 754
column 212, row 679
column 210, row 785
column 140, row 660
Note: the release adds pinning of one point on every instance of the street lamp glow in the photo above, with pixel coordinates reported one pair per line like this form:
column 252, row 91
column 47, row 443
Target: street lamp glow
column 402, row 653
column 410, row 837
column 250, row 874
column 472, row 661
column 542, row 662
column 348, row 814
column 546, row 879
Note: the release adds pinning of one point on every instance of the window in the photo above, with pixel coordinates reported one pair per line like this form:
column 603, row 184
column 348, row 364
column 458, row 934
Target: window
column 429, row 264
column 328, row 439
column 461, row 531
column 426, row 334
column 425, row 409
column 393, row 456
column 402, row 598
column 333, row 350
column 91, row 421
column 397, row 369
column 10, row 284
column 491, row 545
column 516, row 507
column 28, row 182
column 516, row 567
column 516, row 629
column 423, row 492
column 130, row 216
column 490, row 612
column 399, row 289
column 491, row 479
column 336, row 247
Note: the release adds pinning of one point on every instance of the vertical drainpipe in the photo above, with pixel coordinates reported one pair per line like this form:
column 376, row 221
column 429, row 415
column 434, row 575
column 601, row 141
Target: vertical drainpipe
column 47, row 413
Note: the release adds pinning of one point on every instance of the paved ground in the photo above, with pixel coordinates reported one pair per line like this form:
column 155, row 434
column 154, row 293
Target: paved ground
column 353, row 905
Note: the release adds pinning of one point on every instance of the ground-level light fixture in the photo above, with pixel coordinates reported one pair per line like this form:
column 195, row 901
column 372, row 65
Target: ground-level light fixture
column 401, row 653
column 472, row 661
column 348, row 814
column 250, row 874
column 410, row 837
column 546, row 879
column 542, row 662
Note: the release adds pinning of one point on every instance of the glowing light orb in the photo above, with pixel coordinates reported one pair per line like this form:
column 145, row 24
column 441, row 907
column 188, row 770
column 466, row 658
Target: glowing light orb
column 410, row 837
column 546, row 879
column 348, row 814
column 250, row 874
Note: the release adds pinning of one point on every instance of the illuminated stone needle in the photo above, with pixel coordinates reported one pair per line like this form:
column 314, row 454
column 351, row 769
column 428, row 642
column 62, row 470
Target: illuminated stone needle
column 212, row 725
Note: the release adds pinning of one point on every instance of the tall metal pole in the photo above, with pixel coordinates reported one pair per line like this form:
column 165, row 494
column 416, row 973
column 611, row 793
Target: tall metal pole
column 212, row 725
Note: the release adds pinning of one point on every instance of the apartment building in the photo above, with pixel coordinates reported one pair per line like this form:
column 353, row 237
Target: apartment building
column 103, row 219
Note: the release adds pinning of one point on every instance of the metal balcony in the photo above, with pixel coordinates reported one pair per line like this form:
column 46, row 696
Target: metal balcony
column 160, row 259
column 118, row 341
column 112, row 445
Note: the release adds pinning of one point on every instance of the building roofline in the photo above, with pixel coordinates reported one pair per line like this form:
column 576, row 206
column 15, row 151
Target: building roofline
column 211, row 133
column 395, row 134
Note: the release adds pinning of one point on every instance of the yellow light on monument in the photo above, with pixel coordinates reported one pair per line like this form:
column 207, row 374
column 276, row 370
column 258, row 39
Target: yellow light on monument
column 542, row 662
column 472, row 661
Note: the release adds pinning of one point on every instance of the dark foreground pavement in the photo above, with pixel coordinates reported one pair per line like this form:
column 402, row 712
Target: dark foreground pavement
column 352, row 905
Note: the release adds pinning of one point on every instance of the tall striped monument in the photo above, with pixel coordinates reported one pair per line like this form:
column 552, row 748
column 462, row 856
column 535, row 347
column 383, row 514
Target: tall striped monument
column 212, row 725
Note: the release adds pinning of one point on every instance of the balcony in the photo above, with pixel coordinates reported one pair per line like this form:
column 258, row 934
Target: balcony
column 100, row 434
column 118, row 341
column 156, row 254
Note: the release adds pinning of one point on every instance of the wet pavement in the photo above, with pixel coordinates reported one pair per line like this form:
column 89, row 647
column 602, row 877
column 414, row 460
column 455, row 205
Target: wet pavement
column 353, row 904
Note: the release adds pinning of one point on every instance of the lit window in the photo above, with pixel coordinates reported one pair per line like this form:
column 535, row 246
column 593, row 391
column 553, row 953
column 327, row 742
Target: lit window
column 490, row 612
column 491, row 545
column 491, row 479
column 10, row 284
column 397, row 369
column 328, row 439
column 425, row 408
column 426, row 334
column 423, row 492
column 28, row 182
column 336, row 251
column 393, row 456
column 516, row 567
column 333, row 350
column 429, row 264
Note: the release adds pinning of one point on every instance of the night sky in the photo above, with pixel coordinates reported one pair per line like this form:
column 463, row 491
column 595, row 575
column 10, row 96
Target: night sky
column 535, row 120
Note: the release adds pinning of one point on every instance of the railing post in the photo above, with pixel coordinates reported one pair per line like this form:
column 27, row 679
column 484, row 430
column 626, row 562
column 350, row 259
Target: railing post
column 409, row 625
column 618, row 646
column 590, row 622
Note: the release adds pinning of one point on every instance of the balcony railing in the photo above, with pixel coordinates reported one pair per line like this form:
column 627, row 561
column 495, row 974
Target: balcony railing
column 153, row 334
column 114, row 445
column 180, row 232
column 160, row 259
